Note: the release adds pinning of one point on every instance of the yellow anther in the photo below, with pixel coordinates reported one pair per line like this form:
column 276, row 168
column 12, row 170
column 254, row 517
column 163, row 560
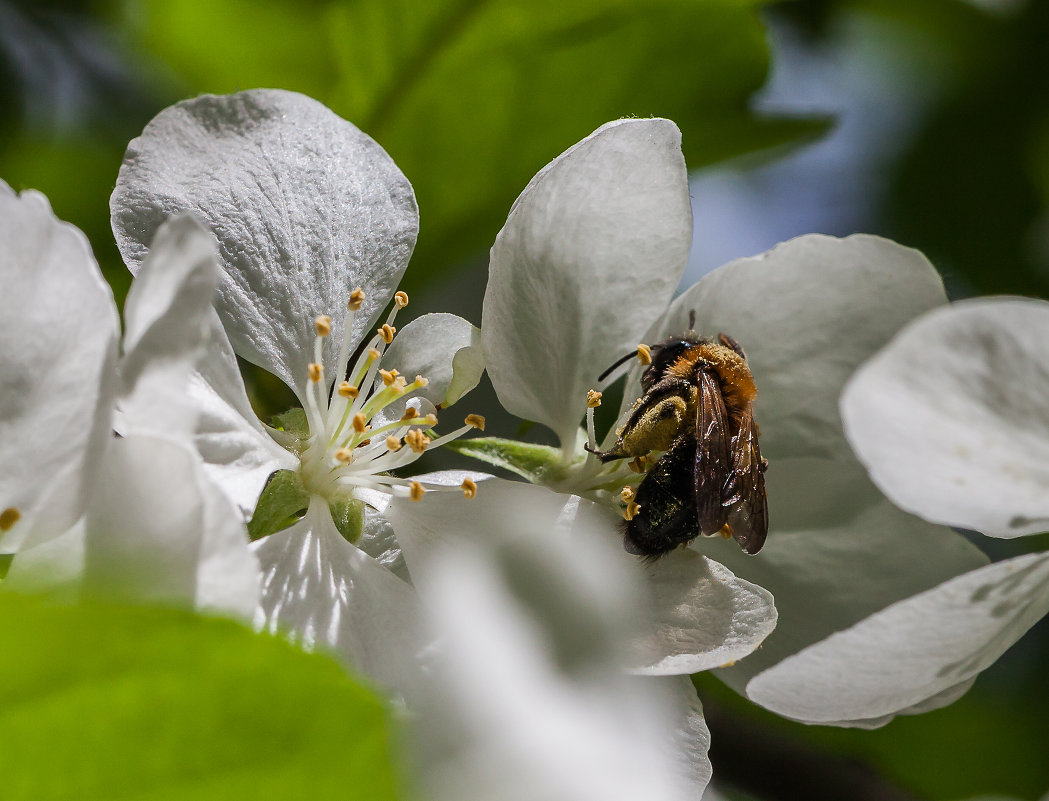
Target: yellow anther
column 315, row 372
column 356, row 299
column 401, row 299
column 475, row 420
column 388, row 376
column 627, row 494
column 9, row 517
column 416, row 440
column 373, row 354
column 429, row 420
column 344, row 455
column 631, row 510
column 322, row 325
column 726, row 532
column 400, row 384
column 637, row 465
column 393, row 443
column 359, row 422
column 593, row 399
column 386, row 333
column 728, row 664
column 644, row 353
column 348, row 390
column 416, row 491
column 409, row 414
column 469, row 487
column 420, row 381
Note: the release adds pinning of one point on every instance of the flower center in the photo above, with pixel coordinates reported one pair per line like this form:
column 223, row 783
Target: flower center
column 356, row 439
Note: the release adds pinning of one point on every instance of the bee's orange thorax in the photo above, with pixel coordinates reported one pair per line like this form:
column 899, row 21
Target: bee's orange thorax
column 737, row 382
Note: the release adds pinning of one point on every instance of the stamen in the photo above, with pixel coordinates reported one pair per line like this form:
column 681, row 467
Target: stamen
column 348, row 390
column 409, row 414
column 388, row 376
column 631, row 510
column 401, row 299
column 359, row 423
column 393, row 443
column 469, row 487
column 356, row 299
column 315, row 372
column 344, row 455
column 417, row 491
column 593, row 398
column 9, row 517
column 429, row 421
column 644, row 353
column 322, row 325
column 416, row 440
column 627, row 494
column 637, row 465
column 726, row 532
column 475, row 421
column 420, row 381
column 386, row 333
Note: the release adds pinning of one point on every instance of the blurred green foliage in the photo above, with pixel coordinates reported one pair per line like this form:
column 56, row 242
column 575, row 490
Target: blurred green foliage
column 104, row 702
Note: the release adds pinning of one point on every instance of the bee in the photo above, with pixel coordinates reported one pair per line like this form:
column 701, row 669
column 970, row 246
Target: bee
column 697, row 408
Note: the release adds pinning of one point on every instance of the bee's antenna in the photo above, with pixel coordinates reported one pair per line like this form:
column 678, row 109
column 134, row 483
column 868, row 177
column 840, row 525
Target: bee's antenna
column 618, row 362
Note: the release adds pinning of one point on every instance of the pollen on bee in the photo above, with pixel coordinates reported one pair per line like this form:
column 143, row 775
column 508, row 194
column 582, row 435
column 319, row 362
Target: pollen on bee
column 416, row 440
column 627, row 494
column 359, row 422
column 469, row 487
column 344, row 455
column 322, row 325
column 348, row 390
column 631, row 510
column 393, row 443
column 386, row 333
column 644, row 353
column 416, row 491
column 356, row 299
column 475, row 420
column 315, row 371
column 593, row 398
column 9, row 517
column 401, row 299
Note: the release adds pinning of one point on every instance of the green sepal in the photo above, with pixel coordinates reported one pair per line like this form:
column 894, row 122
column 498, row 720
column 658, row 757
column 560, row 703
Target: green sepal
column 539, row 464
column 283, row 501
column 348, row 516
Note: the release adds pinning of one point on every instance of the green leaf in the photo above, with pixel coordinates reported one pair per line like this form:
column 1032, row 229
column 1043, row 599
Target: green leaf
column 282, row 502
column 110, row 703
column 536, row 463
column 293, row 421
column 471, row 98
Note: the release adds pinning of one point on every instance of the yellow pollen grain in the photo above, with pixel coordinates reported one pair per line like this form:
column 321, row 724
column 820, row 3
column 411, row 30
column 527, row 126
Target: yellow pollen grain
column 9, row 517
column 644, row 353
column 388, row 376
column 348, row 390
column 356, row 299
column 416, row 440
column 593, row 399
column 344, row 455
column 627, row 494
column 475, row 420
column 410, row 414
column 359, row 422
column 322, row 325
column 393, row 443
column 631, row 510
column 401, row 299
column 386, row 333
column 416, row 491
column 469, row 488
column 315, row 371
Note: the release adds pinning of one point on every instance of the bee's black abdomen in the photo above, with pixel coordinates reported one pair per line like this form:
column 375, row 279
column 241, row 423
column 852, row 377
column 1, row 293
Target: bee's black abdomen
column 667, row 516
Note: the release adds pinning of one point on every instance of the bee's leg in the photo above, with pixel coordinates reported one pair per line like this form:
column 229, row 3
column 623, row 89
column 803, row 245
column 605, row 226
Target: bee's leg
column 729, row 342
column 607, row 456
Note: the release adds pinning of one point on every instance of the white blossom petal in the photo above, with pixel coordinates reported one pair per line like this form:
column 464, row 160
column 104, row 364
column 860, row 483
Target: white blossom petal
column 304, row 206
column 807, row 313
column 952, row 416
column 837, row 552
column 921, row 646
column 705, row 617
column 590, row 254
column 157, row 530
column 59, row 327
column 325, row 593
column 690, row 738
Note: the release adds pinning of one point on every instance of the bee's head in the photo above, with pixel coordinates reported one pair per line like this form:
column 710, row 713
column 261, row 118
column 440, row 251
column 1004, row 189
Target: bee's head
column 665, row 354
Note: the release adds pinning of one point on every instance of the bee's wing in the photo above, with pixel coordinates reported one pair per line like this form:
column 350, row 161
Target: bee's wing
column 712, row 466
column 745, row 499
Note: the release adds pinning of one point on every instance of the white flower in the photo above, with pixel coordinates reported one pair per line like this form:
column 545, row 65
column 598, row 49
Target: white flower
column 133, row 516
column 952, row 420
column 594, row 248
column 315, row 225
column 527, row 697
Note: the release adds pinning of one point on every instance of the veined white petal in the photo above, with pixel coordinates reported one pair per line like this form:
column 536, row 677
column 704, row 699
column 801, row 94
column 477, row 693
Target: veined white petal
column 590, row 254
column 952, row 416
column 304, row 206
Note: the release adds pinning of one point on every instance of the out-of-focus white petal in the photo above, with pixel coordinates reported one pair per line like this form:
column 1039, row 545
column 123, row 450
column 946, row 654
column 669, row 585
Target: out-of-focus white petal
column 304, row 207
column 59, row 329
column 704, row 616
column 916, row 648
column 157, row 530
column 837, row 552
column 590, row 254
column 952, row 416
column 807, row 313
column 690, row 738
column 325, row 593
